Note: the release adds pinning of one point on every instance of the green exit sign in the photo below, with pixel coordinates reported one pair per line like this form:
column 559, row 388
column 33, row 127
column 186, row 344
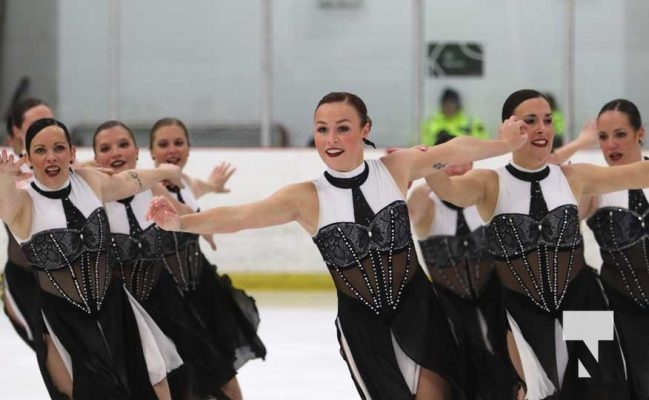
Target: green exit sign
column 454, row 59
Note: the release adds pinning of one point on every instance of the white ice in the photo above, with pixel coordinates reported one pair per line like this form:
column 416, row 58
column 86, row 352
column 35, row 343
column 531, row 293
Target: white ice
column 298, row 329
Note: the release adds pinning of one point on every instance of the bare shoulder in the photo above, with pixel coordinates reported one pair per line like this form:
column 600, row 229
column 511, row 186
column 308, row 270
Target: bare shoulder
column 302, row 200
column 298, row 193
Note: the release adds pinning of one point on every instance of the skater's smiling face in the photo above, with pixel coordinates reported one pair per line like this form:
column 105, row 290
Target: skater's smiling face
column 115, row 148
column 537, row 115
column 169, row 143
column 339, row 130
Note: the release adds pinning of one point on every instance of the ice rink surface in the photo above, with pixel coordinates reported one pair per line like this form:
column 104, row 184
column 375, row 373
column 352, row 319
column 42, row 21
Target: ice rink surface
column 298, row 329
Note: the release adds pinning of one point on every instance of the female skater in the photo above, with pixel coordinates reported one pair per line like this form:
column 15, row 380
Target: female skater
column 20, row 300
column 533, row 233
column 229, row 314
column 462, row 271
column 100, row 344
column 144, row 254
column 618, row 222
column 356, row 213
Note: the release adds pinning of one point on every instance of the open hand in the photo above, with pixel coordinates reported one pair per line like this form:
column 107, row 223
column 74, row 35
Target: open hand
column 10, row 166
column 163, row 213
column 220, row 176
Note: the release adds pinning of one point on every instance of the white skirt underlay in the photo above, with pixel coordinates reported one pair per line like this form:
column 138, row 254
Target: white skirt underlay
column 539, row 386
column 22, row 321
column 160, row 352
column 409, row 368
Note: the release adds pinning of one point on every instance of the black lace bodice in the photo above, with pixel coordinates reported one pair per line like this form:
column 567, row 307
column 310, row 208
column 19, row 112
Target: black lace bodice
column 372, row 263
column 143, row 247
column 541, row 256
column 462, row 264
column 618, row 228
column 56, row 248
column 342, row 243
column 72, row 263
column 515, row 235
column 445, row 251
column 138, row 258
column 622, row 236
column 182, row 257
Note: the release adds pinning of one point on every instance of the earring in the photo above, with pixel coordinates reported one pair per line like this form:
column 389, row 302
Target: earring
column 31, row 167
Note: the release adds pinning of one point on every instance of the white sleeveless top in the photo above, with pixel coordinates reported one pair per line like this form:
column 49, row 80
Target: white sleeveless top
column 445, row 221
column 48, row 213
column 118, row 219
column 514, row 194
column 336, row 204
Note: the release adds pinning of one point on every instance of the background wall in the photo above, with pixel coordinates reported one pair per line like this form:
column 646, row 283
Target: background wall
column 200, row 60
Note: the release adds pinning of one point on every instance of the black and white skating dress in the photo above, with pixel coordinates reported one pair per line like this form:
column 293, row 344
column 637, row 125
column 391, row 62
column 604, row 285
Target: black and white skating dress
column 621, row 227
column 535, row 238
column 143, row 255
column 20, row 292
column 456, row 255
column 390, row 322
column 230, row 315
column 109, row 345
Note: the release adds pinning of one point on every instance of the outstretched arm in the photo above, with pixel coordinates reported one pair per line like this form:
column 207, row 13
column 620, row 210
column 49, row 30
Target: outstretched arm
column 286, row 205
column 472, row 188
column 588, row 179
column 127, row 183
column 410, row 164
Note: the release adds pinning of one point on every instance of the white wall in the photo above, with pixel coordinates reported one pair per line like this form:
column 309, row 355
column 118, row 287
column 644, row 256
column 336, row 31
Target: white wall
column 259, row 173
column 29, row 48
column 199, row 60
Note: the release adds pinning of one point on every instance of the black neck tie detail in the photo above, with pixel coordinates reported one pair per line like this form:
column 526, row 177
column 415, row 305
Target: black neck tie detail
column 538, row 207
column 363, row 214
column 461, row 226
column 74, row 217
column 638, row 201
column 134, row 227
column 176, row 190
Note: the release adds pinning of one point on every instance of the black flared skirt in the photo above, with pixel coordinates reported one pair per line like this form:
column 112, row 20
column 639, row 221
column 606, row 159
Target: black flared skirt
column 229, row 314
column 419, row 327
column 105, row 348
column 489, row 373
column 208, row 367
column 607, row 373
column 632, row 324
column 22, row 286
